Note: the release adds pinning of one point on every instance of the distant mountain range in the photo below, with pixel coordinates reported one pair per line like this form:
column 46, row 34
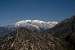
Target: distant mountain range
column 34, row 25
column 6, row 30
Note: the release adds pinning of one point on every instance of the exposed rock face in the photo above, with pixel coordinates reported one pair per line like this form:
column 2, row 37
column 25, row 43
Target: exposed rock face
column 60, row 37
column 35, row 41
column 27, row 40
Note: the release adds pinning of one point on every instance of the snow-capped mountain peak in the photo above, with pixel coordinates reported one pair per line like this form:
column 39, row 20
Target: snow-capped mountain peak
column 37, row 24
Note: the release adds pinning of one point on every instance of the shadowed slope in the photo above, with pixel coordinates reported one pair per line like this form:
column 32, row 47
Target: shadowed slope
column 65, row 30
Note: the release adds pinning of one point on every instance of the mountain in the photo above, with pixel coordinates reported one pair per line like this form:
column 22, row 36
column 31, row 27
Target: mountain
column 36, row 24
column 59, row 37
column 65, row 30
column 25, row 39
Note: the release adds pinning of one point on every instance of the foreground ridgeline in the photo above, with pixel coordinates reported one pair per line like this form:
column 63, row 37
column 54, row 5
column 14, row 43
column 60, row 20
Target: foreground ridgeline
column 59, row 37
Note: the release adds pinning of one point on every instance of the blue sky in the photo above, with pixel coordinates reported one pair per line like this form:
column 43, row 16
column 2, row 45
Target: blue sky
column 15, row 10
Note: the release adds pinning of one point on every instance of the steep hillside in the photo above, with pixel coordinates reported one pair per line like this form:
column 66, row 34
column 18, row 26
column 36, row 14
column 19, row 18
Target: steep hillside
column 27, row 40
column 65, row 30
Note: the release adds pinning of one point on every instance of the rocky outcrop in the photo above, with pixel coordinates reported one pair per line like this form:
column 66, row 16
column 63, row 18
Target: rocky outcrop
column 27, row 40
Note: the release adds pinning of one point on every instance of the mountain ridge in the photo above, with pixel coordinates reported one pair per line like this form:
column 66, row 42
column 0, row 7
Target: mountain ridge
column 60, row 37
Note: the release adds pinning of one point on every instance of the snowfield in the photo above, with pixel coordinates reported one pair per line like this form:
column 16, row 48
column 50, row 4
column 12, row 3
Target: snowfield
column 36, row 24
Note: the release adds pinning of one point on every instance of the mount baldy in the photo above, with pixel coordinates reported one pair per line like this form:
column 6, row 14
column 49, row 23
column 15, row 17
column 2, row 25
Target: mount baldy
column 58, row 36
column 36, row 24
